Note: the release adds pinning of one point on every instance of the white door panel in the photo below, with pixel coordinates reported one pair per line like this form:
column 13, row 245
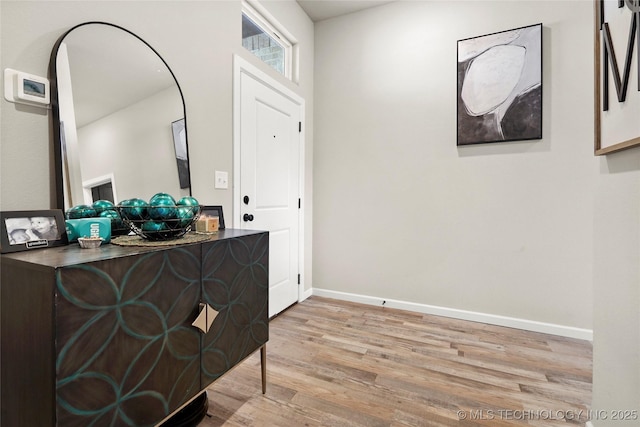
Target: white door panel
column 273, row 168
column 270, row 181
column 273, row 162
column 279, row 270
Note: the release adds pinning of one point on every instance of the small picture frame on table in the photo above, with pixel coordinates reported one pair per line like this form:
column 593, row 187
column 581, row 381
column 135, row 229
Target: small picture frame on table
column 213, row 211
column 26, row 230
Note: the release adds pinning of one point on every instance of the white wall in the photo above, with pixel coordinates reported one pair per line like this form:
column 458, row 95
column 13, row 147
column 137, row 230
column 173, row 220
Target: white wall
column 402, row 213
column 616, row 323
column 136, row 145
column 196, row 38
column 539, row 230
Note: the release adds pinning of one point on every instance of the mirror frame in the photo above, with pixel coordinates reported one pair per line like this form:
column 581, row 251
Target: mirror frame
column 55, row 125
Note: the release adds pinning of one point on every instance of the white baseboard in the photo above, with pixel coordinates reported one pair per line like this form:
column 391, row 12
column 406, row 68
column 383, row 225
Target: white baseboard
column 305, row 294
column 492, row 319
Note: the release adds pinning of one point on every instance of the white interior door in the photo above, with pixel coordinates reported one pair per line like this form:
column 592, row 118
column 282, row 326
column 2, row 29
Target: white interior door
column 269, row 181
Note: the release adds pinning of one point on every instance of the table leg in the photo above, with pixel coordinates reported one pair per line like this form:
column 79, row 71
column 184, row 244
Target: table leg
column 263, row 365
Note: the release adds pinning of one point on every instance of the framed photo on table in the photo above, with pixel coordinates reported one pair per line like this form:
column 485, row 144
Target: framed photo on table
column 26, row 230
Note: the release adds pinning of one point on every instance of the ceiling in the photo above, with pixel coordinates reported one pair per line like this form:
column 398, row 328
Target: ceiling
column 319, row 10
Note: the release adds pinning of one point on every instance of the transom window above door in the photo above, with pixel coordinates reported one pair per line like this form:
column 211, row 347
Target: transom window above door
column 261, row 37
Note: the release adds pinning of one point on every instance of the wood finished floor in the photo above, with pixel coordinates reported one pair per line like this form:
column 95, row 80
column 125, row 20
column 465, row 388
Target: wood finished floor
column 335, row 363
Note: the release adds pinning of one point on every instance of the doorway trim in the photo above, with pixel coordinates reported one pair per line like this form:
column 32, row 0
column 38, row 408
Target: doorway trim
column 94, row 182
column 241, row 65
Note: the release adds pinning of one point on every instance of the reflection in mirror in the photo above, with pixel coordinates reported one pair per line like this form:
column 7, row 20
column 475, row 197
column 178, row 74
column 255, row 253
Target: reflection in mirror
column 115, row 108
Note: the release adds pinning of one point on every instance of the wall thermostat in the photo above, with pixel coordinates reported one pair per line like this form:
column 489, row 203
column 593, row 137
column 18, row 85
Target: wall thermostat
column 26, row 88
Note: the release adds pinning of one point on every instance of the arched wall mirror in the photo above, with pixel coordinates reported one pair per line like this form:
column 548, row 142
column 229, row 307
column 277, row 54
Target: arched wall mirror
column 119, row 120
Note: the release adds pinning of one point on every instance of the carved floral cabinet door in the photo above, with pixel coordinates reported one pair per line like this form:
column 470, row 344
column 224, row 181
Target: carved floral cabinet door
column 126, row 351
column 235, row 281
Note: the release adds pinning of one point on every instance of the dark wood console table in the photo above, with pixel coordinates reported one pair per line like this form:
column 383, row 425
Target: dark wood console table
column 105, row 336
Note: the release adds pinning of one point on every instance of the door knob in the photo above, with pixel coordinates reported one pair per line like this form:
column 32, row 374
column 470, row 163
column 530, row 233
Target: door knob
column 247, row 217
column 245, row 199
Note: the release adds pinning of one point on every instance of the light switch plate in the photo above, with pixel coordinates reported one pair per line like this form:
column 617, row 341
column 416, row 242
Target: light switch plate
column 222, row 180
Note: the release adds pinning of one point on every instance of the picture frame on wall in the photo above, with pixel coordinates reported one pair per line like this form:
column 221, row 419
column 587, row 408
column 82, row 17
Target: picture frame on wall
column 213, row 211
column 178, row 130
column 617, row 75
column 499, row 90
column 26, row 230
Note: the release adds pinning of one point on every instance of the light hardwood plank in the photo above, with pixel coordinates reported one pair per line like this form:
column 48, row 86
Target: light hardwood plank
column 336, row 363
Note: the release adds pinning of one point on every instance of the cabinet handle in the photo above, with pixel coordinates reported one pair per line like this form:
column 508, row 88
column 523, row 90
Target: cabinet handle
column 205, row 318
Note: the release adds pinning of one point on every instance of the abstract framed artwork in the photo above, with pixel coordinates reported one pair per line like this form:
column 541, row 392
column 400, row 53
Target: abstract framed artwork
column 617, row 106
column 500, row 87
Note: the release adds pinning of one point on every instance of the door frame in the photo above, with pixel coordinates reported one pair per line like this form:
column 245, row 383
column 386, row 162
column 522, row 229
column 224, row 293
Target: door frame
column 88, row 185
column 241, row 65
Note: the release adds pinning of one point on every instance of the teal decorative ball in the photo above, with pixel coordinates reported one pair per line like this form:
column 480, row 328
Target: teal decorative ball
column 134, row 209
column 116, row 221
column 188, row 201
column 154, row 226
column 165, row 197
column 185, row 215
column 81, row 211
column 162, row 208
column 102, row 205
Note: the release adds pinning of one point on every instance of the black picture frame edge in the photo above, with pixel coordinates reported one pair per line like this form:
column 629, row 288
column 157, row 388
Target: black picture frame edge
column 218, row 209
column 6, row 247
column 184, row 174
column 501, row 31
column 458, row 89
